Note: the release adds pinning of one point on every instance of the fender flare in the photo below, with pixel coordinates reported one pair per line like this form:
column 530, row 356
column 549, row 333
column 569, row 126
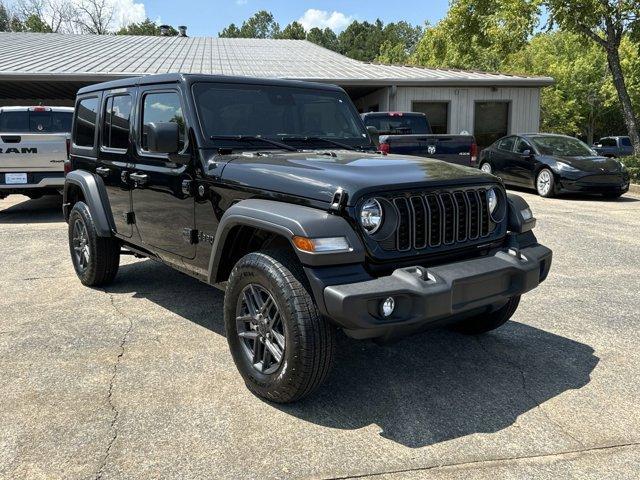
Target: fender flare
column 287, row 220
column 95, row 196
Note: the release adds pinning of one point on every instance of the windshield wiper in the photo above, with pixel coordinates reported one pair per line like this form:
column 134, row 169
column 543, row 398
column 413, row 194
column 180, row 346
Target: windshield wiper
column 325, row 140
column 252, row 138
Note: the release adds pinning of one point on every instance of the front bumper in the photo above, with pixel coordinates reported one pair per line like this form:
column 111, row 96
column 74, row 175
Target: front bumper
column 606, row 183
column 430, row 296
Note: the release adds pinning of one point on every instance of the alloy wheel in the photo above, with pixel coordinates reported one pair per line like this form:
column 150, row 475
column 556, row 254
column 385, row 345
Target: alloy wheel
column 486, row 167
column 260, row 328
column 80, row 243
column 544, row 183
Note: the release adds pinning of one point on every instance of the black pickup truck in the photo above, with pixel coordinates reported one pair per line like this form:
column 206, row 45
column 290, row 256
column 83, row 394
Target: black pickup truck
column 273, row 191
column 409, row 133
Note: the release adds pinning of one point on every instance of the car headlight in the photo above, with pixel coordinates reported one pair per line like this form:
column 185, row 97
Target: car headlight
column 496, row 204
column 371, row 216
column 492, row 198
column 565, row 167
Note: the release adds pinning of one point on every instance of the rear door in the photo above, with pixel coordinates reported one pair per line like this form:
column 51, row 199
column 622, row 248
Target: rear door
column 114, row 163
column 163, row 204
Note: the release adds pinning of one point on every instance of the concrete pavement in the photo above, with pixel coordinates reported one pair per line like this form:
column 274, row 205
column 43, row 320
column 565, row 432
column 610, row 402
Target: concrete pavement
column 136, row 381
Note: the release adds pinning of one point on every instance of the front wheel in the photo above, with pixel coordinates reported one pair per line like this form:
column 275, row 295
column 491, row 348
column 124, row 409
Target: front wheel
column 612, row 195
column 545, row 183
column 280, row 343
column 486, row 167
column 95, row 259
column 485, row 323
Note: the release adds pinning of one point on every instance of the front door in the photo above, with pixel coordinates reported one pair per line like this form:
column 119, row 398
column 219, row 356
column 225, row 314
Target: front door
column 523, row 165
column 113, row 157
column 163, row 204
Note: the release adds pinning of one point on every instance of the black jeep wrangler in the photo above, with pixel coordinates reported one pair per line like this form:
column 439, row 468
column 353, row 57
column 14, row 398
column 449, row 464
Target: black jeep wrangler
column 274, row 191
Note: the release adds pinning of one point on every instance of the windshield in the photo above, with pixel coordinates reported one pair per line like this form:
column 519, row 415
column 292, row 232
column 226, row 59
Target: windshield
column 562, row 146
column 398, row 124
column 44, row 122
column 286, row 114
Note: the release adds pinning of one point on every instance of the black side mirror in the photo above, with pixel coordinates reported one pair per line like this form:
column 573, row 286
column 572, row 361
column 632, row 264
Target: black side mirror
column 374, row 134
column 162, row 137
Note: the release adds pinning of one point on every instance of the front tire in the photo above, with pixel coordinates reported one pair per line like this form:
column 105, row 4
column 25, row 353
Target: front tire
column 280, row 343
column 545, row 183
column 612, row 195
column 485, row 323
column 486, row 168
column 95, row 259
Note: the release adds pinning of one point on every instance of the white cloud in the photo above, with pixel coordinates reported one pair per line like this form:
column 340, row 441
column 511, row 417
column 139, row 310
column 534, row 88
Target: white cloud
column 336, row 21
column 126, row 12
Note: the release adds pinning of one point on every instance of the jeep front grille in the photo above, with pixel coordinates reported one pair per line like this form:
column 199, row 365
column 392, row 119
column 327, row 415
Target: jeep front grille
column 440, row 219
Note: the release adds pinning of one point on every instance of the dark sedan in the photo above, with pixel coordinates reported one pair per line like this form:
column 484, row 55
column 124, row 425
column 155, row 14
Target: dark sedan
column 552, row 164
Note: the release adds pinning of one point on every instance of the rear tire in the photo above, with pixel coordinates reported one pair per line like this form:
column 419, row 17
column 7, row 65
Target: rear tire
column 485, row 323
column 95, row 259
column 302, row 338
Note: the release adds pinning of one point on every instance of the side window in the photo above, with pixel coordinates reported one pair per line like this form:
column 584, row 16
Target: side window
column 609, row 142
column 116, row 122
column 159, row 108
column 506, row 144
column 625, row 141
column 85, row 129
column 522, row 146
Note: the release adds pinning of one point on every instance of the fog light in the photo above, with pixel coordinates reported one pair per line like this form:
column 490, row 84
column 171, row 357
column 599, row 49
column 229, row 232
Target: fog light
column 388, row 306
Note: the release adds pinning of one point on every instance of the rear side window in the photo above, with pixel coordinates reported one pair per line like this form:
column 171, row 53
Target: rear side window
column 398, row 124
column 36, row 122
column 625, row 141
column 506, row 144
column 608, row 142
column 116, row 122
column 159, row 108
column 86, row 115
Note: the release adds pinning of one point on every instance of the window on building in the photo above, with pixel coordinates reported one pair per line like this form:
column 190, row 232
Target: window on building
column 160, row 108
column 86, row 114
column 491, row 122
column 116, row 122
column 437, row 114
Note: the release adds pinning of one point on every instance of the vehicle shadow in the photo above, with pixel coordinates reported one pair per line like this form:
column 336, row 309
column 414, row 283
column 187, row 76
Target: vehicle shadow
column 423, row 390
column 47, row 209
column 626, row 198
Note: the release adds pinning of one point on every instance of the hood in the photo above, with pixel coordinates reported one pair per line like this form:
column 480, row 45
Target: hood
column 594, row 164
column 317, row 174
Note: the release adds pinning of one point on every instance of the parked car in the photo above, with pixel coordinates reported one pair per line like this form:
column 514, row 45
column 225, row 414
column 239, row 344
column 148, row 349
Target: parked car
column 409, row 133
column 33, row 149
column 552, row 164
column 614, row 147
column 273, row 191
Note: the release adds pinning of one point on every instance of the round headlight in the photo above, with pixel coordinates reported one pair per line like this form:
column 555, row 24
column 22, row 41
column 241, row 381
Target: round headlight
column 371, row 216
column 492, row 199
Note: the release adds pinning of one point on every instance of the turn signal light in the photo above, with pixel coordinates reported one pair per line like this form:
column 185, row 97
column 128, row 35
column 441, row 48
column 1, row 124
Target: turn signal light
column 321, row 245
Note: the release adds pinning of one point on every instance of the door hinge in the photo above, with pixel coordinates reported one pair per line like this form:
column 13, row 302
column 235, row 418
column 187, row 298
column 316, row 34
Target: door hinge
column 190, row 235
column 129, row 218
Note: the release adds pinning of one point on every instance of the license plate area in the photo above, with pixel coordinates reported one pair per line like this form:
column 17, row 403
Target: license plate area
column 15, row 178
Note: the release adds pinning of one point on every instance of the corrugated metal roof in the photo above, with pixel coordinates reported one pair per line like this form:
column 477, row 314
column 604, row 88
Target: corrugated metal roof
column 79, row 57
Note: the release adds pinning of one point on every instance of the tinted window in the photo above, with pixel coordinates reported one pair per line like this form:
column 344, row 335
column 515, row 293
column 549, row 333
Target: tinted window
column 14, row 122
column 398, row 124
column 625, row 141
column 44, row 122
column 116, row 122
column 506, row 144
column 280, row 113
column 161, row 108
column 522, row 146
column 608, row 142
column 562, row 146
column 437, row 113
column 86, row 114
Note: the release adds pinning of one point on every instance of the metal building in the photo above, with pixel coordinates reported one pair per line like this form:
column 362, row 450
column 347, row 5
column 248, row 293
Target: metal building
column 49, row 68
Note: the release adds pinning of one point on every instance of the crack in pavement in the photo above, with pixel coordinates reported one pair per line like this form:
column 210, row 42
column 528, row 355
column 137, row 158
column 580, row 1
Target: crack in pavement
column 491, row 461
column 114, row 409
column 526, row 391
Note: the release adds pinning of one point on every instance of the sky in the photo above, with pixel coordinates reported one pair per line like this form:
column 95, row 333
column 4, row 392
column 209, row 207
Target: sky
column 207, row 18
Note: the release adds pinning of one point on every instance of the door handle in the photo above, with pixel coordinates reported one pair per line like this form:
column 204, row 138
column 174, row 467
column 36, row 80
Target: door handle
column 102, row 171
column 140, row 178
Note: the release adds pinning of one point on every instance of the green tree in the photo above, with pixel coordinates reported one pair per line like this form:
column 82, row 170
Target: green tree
column 34, row 23
column 478, row 34
column 261, row 25
column 361, row 40
column 146, row 28
column 293, row 31
column 391, row 53
column 605, row 22
column 5, row 19
column 326, row 38
column 232, row 31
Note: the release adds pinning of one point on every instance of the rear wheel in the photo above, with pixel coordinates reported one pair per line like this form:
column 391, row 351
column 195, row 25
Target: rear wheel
column 280, row 343
column 485, row 323
column 95, row 259
column 545, row 183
